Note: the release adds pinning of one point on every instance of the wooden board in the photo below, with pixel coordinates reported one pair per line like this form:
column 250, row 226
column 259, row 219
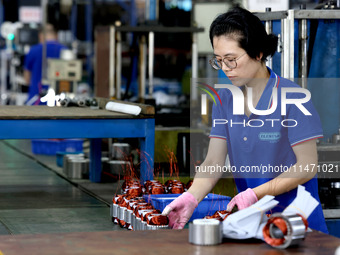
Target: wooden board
column 44, row 112
column 152, row 242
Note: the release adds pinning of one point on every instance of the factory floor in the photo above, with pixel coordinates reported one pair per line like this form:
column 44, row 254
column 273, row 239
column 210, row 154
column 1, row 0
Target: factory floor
column 35, row 197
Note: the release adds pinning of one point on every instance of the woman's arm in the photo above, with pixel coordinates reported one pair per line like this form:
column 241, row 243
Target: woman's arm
column 205, row 181
column 306, row 159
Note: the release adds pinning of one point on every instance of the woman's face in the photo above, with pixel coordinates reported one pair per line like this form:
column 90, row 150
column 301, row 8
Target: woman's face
column 247, row 68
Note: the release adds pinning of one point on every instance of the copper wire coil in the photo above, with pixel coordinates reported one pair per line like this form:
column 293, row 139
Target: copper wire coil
column 154, row 211
column 150, row 183
column 281, row 224
column 134, row 191
column 157, row 219
column 129, row 182
column 141, row 213
column 131, row 186
column 219, row 215
column 177, row 189
column 134, row 206
column 134, row 201
column 122, row 223
column 142, row 206
column 157, row 190
column 117, row 199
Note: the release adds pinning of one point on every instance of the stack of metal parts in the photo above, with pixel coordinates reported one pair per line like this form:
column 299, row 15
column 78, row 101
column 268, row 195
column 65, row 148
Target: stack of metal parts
column 76, row 166
column 131, row 211
column 119, row 161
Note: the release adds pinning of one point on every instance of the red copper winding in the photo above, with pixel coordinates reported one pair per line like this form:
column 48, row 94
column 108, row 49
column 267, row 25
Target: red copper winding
column 145, row 216
column 157, row 219
column 177, row 189
column 156, row 190
column 142, row 206
column 117, row 199
column 134, row 191
column 281, row 224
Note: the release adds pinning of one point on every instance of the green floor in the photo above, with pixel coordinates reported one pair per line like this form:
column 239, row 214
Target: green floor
column 36, row 198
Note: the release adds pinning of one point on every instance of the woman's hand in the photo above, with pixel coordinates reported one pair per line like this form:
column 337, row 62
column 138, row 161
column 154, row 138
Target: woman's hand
column 180, row 210
column 243, row 200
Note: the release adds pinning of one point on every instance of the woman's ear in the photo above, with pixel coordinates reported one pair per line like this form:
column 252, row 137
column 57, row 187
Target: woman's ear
column 259, row 57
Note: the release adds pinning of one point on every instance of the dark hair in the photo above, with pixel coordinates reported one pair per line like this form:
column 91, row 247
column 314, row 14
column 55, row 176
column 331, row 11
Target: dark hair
column 247, row 29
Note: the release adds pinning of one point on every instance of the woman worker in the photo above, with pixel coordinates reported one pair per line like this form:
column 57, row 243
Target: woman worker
column 241, row 46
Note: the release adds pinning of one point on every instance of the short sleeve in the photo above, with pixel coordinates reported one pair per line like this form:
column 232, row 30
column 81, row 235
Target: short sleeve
column 307, row 127
column 218, row 116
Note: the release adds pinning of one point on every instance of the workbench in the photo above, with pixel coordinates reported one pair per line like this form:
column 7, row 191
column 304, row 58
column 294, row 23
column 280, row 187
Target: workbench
column 42, row 122
column 153, row 242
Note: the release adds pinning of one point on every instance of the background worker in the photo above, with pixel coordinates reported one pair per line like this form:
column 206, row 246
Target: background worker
column 241, row 46
column 33, row 62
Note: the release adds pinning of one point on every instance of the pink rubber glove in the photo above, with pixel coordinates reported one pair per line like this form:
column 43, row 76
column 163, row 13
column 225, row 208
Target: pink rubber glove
column 243, row 200
column 180, row 210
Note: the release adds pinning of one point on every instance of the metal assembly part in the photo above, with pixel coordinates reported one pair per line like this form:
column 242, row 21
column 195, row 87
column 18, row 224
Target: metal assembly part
column 284, row 230
column 205, row 232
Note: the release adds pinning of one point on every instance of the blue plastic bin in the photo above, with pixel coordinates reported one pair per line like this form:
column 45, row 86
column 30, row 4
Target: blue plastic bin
column 209, row 205
column 52, row 146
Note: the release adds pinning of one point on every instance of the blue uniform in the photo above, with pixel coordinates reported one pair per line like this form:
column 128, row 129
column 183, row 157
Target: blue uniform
column 33, row 63
column 260, row 146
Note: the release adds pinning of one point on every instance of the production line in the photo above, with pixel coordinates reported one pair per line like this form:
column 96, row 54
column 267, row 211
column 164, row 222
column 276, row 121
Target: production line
column 158, row 127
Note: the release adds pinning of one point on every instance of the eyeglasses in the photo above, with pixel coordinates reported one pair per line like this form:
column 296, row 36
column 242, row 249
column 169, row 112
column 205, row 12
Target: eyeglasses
column 229, row 62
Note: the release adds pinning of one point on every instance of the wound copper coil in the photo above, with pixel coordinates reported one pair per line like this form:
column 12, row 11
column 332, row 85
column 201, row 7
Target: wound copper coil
column 134, row 191
column 134, row 201
column 153, row 211
column 117, row 199
column 177, row 189
column 130, row 182
column 156, row 190
column 219, row 215
column 142, row 206
column 149, row 183
column 157, row 219
column 142, row 213
column 281, row 231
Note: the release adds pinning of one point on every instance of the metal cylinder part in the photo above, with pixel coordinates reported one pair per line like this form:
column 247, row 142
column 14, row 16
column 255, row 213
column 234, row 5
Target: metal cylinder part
column 117, row 167
column 114, row 210
column 138, row 222
column 205, row 232
column 133, row 221
column 128, row 215
column 143, row 225
column 78, row 168
column 296, row 230
column 122, row 213
column 120, row 151
column 70, row 156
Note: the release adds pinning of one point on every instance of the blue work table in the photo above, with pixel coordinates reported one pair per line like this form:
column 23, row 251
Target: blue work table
column 42, row 122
